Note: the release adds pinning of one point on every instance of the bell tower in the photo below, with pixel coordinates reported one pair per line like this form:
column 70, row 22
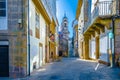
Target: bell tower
column 64, row 27
column 64, row 36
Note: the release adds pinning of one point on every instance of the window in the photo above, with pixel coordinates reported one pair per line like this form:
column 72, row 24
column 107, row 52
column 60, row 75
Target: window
column 37, row 25
column 37, row 33
column 37, row 21
column 2, row 8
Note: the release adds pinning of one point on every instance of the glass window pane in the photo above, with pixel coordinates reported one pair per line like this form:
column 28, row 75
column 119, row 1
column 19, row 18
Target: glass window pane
column 2, row 5
column 2, row 13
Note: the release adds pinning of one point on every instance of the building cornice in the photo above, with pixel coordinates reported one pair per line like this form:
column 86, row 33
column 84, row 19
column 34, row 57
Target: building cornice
column 78, row 11
column 41, row 8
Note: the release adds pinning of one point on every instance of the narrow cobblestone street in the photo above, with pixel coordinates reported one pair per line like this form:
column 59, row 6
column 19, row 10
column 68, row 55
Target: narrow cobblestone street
column 74, row 69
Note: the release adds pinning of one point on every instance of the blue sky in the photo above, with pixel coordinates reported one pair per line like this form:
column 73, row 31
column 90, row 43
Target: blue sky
column 68, row 7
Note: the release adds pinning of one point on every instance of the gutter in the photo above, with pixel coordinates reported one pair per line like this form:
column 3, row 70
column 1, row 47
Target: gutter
column 28, row 39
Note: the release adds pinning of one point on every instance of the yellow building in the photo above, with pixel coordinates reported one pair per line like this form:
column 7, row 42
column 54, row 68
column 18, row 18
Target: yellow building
column 78, row 28
column 52, row 41
column 51, row 30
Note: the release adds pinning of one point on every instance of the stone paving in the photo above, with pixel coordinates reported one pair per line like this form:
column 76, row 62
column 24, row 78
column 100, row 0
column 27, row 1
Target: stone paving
column 74, row 69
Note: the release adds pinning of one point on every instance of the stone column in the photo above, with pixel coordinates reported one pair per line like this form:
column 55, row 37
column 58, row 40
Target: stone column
column 86, row 47
column 97, row 47
column 81, row 50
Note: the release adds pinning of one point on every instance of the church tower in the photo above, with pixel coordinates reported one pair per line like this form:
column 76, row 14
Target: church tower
column 64, row 36
column 64, row 27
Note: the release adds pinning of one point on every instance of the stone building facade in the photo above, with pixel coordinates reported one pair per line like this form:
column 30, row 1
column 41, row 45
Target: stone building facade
column 13, row 38
column 24, row 29
column 100, row 30
column 75, row 36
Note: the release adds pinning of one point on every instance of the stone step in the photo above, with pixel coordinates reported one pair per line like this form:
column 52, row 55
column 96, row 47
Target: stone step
column 103, row 62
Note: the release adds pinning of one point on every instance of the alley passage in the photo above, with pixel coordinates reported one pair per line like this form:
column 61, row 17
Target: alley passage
column 75, row 69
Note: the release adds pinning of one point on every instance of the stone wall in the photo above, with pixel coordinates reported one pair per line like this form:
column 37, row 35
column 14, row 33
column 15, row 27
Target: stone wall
column 17, row 37
column 117, row 40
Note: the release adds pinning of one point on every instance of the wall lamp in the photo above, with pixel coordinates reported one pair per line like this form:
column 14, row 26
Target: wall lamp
column 20, row 22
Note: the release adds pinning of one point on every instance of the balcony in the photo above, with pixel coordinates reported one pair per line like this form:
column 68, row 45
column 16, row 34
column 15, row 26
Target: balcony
column 103, row 10
column 52, row 37
column 75, row 23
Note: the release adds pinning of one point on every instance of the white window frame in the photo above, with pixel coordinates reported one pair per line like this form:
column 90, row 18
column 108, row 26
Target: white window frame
column 4, row 19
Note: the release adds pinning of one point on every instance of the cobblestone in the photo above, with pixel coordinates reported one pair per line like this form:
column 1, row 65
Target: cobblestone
column 74, row 69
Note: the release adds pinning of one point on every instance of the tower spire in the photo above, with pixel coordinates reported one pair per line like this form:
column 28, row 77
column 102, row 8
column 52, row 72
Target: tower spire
column 65, row 14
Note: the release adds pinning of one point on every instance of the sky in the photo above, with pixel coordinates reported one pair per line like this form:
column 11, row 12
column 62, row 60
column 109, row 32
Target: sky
column 68, row 7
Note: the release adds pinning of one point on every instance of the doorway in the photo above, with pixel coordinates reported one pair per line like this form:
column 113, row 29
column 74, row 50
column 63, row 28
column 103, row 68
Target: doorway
column 4, row 61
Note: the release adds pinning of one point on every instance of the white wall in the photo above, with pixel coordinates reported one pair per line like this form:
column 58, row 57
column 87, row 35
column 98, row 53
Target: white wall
column 32, row 17
column 92, row 48
column 93, row 3
column 103, row 48
column 37, row 53
column 42, row 35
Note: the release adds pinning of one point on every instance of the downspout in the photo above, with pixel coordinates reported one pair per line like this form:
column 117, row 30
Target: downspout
column 28, row 39
column 113, row 26
column 108, row 49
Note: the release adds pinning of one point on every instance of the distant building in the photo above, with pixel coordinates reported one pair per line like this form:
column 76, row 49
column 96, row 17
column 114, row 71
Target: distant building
column 70, row 47
column 75, row 37
column 64, row 36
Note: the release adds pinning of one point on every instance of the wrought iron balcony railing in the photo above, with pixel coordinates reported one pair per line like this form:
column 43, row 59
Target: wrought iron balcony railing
column 103, row 9
column 75, row 22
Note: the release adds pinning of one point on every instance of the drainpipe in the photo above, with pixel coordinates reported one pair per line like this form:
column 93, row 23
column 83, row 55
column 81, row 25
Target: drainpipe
column 108, row 49
column 113, row 42
column 28, row 39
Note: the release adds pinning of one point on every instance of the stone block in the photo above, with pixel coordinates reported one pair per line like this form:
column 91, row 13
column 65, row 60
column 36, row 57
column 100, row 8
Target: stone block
column 117, row 31
column 117, row 38
column 117, row 44
column 117, row 24
column 117, row 50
